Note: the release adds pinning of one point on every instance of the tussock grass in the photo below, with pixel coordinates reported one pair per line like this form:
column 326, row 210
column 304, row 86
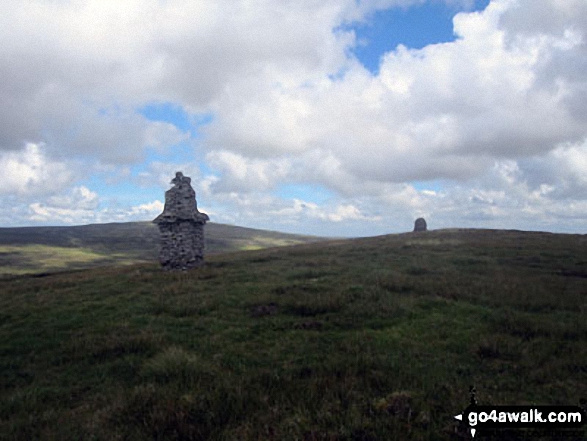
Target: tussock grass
column 29, row 259
column 368, row 339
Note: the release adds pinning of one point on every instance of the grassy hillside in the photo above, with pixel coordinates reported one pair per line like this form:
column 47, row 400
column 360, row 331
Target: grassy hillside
column 41, row 249
column 368, row 339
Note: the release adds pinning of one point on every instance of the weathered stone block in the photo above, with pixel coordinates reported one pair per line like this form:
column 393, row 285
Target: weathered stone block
column 181, row 227
column 420, row 224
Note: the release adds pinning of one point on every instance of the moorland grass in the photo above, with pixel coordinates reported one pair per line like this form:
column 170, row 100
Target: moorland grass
column 376, row 338
column 30, row 259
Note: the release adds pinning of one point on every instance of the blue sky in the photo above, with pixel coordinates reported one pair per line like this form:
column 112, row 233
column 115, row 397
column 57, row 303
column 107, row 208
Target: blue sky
column 415, row 26
column 338, row 118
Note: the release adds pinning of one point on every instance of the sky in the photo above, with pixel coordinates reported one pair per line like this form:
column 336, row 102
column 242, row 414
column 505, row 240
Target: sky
column 329, row 117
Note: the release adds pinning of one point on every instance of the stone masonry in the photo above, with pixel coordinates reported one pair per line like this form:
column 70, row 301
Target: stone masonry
column 181, row 226
column 420, row 224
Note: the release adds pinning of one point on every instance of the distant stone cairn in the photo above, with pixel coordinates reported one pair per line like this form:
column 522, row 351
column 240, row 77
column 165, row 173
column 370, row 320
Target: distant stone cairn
column 420, row 224
column 181, row 226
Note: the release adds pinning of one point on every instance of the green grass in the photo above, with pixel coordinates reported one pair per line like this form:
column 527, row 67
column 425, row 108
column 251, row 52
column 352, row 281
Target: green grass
column 30, row 259
column 365, row 339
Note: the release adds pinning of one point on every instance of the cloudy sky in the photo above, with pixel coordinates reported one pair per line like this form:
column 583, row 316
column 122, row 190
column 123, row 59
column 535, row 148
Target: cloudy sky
column 327, row 117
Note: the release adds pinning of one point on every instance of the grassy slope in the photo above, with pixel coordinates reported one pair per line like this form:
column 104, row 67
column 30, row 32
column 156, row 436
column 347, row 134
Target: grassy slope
column 42, row 249
column 374, row 338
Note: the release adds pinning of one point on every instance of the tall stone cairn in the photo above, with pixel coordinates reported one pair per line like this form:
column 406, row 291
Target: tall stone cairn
column 420, row 224
column 181, row 226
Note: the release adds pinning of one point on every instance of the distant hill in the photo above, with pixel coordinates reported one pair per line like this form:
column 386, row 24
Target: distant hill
column 40, row 249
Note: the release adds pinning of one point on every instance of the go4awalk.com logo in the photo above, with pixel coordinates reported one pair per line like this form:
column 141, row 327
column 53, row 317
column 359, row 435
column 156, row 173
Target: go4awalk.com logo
column 543, row 418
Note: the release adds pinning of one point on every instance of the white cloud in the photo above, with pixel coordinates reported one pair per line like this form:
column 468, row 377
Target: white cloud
column 78, row 198
column 149, row 210
column 50, row 215
column 347, row 212
column 247, row 174
column 30, row 172
column 445, row 111
column 99, row 60
column 333, row 213
column 52, row 212
column 563, row 170
column 161, row 135
column 77, row 206
column 571, row 163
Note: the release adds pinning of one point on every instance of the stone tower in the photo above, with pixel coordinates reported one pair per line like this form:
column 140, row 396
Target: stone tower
column 181, row 226
column 420, row 224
